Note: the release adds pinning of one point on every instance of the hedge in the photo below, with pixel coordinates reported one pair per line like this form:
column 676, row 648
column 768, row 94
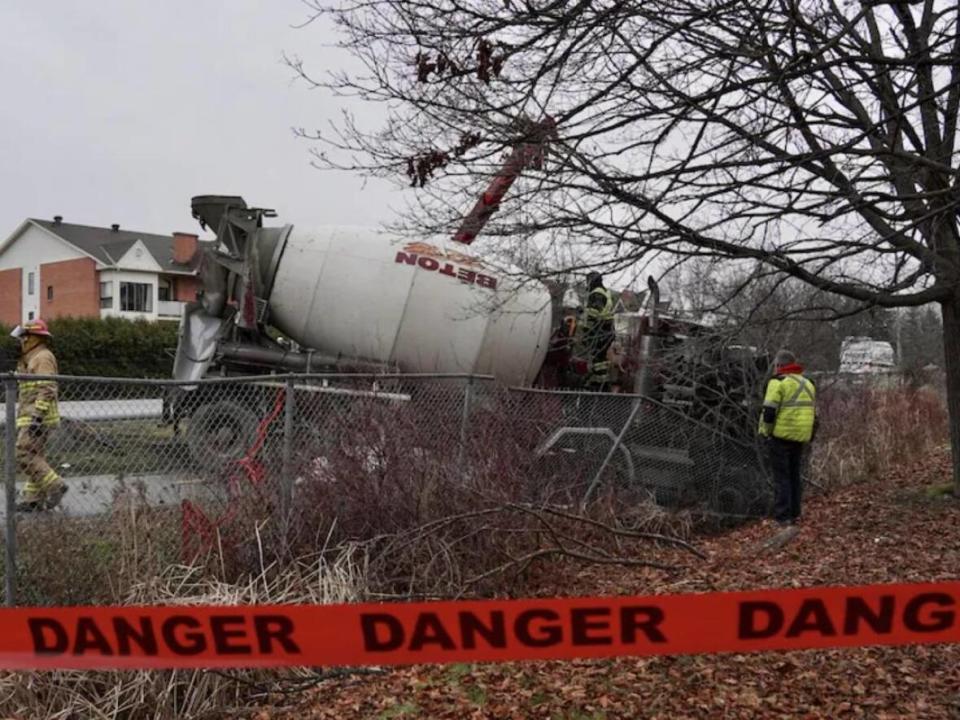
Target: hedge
column 109, row 347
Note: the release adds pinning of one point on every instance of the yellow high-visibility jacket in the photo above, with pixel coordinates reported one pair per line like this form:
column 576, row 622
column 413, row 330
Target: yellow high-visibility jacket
column 599, row 305
column 37, row 398
column 789, row 408
column 597, row 325
column 597, row 332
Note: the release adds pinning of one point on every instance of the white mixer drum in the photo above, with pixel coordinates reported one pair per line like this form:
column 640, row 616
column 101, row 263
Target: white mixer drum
column 421, row 306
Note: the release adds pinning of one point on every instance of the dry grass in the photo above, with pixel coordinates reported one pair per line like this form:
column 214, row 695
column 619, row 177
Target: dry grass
column 866, row 432
column 431, row 516
column 95, row 560
column 395, row 509
column 436, row 519
column 167, row 695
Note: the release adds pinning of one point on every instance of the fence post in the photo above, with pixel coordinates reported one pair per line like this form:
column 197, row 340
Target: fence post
column 286, row 482
column 464, row 419
column 10, row 474
column 616, row 444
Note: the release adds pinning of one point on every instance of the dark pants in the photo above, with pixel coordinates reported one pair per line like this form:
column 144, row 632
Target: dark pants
column 786, row 458
column 599, row 378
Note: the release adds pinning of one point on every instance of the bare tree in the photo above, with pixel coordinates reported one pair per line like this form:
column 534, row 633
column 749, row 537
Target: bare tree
column 768, row 312
column 813, row 137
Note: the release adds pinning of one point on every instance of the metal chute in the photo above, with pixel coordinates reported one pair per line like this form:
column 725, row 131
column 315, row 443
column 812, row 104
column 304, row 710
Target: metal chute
column 236, row 280
column 197, row 342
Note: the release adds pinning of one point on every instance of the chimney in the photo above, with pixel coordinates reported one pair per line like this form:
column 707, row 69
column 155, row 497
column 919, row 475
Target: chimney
column 57, row 219
column 115, row 227
column 184, row 247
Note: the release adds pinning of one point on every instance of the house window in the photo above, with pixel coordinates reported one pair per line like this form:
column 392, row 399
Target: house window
column 165, row 290
column 30, row 315
column 49, row 293
column 106, row 295
column 136, row 297
column 30, row 281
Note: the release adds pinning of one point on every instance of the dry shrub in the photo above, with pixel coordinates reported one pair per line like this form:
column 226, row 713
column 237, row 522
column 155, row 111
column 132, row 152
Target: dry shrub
column 168, row 695
column 866, row 432
column 391, row 503
column 437, row 518
column 95, row 560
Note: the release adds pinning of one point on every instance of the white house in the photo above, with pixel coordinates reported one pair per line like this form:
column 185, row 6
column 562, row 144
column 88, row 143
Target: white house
column 49, row 268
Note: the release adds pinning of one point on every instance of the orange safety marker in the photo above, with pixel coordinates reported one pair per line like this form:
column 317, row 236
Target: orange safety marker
column 478, row 631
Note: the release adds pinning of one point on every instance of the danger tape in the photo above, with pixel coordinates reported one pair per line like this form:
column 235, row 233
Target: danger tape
column 478, row 631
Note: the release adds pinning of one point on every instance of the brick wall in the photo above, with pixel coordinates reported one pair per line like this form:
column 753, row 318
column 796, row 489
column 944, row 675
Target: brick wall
column 184, row 247
column 76, row 289
column 11, row 297
column 185, row 289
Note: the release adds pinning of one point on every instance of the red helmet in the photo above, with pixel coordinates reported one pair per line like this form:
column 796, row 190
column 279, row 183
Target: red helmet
column 34, row 327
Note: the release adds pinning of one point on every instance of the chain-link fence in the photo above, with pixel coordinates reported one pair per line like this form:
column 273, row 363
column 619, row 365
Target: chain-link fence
column 199, row 464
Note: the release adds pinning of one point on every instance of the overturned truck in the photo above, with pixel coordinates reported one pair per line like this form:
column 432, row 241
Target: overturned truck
column 340, row 300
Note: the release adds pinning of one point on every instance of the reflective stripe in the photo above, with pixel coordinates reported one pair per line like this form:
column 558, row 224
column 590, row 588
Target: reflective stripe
column 599, row 372
column 604, row 313
column 801, row 388
column 36, row 490
column 51, row 420
column 31, row 384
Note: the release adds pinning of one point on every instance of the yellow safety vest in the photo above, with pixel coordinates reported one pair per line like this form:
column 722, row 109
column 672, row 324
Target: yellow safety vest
column 604, row 312
column 794, row 399
column 597, row 331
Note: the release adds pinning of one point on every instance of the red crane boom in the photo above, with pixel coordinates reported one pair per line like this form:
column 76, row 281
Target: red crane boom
column 528, row 153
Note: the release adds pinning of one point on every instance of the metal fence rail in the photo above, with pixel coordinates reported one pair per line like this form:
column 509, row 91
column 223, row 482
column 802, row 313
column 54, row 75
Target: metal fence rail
column 215, row 451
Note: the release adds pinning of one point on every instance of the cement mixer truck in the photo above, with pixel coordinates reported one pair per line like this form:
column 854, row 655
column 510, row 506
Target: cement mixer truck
column 353, row 300
column 292, row 300
column 289, row 300
column 285, row 299
column 358, row 299
column 341, row 300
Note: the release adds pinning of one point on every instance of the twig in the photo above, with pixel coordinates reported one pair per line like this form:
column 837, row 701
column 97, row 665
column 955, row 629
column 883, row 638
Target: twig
column 291, row 686
column 628, row 533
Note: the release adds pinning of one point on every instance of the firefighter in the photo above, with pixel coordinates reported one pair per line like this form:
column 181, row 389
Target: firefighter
column 788, row 421
column 37, row 416
column 598, row 332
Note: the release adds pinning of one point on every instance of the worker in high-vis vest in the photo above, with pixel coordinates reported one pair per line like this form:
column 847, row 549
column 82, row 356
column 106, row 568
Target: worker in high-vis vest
column 598, row 332
column 788, row 421
column 37, row 416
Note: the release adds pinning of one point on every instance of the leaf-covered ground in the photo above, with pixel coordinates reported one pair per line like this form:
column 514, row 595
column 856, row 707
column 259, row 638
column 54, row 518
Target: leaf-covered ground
column 889, row 530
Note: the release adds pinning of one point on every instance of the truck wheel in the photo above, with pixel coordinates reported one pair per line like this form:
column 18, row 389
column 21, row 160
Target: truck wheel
column 220, row 432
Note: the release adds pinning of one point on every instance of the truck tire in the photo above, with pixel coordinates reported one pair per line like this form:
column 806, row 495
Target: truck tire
column 220, row 432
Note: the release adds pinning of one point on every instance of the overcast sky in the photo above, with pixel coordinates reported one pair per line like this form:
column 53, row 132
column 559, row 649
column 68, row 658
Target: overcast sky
column 121, row 110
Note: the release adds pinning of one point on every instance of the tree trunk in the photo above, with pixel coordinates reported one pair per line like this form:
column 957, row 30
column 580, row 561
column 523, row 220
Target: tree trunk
column 951, row 357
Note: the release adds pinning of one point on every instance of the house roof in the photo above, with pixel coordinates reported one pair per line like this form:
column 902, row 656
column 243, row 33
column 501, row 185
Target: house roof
column 108, row 245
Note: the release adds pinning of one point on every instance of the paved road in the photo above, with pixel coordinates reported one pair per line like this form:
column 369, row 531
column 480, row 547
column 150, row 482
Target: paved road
column 94, row 494
column 90, row 410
